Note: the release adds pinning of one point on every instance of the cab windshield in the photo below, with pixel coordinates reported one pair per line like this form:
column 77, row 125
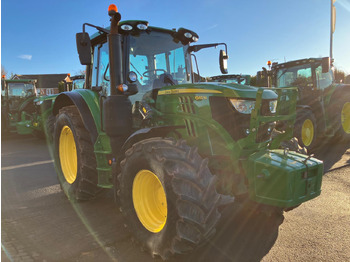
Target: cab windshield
column 156, row 54
column 20, row 90
column 78, row 84
column 152, row 56
column 298, row 76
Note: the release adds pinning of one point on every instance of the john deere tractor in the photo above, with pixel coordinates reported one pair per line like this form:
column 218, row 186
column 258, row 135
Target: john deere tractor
column 323, row 107
column 19, row 113
column 173, row 150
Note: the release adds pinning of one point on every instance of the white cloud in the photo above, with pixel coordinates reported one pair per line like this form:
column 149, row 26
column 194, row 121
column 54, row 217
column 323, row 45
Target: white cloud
column 212, row 27
column 25, row 57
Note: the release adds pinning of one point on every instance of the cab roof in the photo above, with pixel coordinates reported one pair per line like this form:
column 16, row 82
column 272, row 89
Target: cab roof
column 297, row 62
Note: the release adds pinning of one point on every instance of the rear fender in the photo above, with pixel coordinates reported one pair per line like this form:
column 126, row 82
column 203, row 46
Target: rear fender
column 87, row 103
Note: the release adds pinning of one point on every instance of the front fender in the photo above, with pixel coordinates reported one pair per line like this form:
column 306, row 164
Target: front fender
column 145, row 133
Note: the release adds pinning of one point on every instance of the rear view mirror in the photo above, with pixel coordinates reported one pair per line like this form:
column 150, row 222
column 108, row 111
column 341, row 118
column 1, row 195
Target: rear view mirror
column 223, row 62
column 84, row 48
column 325, row 64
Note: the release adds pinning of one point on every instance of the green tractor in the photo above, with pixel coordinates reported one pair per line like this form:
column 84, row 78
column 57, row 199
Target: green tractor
column 77, row 82
column 323, row 107
column 173, row 150
column 19, row 112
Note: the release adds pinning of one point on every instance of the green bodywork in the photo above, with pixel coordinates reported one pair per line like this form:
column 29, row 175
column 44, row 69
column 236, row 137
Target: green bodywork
column 248, row 163
column 240, row 164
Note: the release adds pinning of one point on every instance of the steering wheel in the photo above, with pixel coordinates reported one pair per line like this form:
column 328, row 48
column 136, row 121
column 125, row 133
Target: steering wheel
column 147, row 73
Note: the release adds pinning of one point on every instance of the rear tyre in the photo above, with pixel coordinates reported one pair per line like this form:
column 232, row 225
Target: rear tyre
column 305, row 129
column 74, row 156
column 168, row 197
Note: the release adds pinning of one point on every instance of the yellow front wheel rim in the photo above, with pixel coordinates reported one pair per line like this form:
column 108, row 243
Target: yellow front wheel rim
column 149, row 200
column 345, row 117
column 68, row 155
column 307, row 132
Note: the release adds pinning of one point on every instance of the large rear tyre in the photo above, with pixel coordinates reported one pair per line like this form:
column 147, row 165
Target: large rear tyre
column 305, row 129
column 168, row 197
column 74, row 156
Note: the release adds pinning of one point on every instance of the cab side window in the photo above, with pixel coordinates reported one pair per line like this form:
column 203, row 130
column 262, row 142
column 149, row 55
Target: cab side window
column 323, row 80
column 100, row 71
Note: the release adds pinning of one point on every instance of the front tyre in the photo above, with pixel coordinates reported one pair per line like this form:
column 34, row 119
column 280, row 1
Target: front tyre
column 341, row 117
column 305, row 129
column 168, row 197
column 74, row 156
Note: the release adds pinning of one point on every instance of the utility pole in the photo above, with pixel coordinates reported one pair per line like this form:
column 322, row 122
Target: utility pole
column 333, row 19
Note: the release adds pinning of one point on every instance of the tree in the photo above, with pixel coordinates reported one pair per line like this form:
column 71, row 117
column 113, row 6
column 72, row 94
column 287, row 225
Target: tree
column 339, row 75
column 347, row 79
column 253, row 80
column 80, row 72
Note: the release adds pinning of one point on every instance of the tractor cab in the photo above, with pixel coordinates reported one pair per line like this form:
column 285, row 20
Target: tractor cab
column 152, row 58
column 17, row 104
column 311, row 76
column 17, row 91
column 75, row 82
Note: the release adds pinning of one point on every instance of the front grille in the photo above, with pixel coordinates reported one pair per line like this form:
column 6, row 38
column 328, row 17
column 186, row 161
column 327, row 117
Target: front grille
column 224, row 113
column 235, row 123
column 187, row 106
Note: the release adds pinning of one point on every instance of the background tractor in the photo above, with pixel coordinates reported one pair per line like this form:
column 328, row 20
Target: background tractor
column 172, row 149
column 323, row 107
column 19, row 113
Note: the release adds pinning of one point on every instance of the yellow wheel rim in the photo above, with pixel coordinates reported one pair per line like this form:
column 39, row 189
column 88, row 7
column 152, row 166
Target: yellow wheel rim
column 149, row 200
column 307, row 132
column 68, row 155
column 345, row 117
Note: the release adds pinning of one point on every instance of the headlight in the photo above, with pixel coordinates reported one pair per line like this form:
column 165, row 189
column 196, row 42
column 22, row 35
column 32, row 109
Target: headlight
column 132, row 77
column 142, row 26
column 126, row 27
column 243, row 106
column 188, row 35
column 38, row 103
column 273, row 106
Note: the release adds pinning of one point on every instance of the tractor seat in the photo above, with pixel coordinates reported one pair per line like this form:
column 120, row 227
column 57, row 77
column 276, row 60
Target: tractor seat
column 163, row 80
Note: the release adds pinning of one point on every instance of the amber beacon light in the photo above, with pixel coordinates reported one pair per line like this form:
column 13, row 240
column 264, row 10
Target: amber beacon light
column 112, row 9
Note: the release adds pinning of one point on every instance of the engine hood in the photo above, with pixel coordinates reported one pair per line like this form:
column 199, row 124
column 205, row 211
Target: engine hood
column 219, row 89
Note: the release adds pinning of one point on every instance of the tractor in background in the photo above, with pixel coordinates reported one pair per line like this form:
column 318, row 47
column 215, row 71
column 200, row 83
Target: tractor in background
column 323, row 107
column 19, row 112
column 173, row 150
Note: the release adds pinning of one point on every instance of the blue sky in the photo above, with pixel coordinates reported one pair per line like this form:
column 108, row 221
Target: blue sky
column 38, row 37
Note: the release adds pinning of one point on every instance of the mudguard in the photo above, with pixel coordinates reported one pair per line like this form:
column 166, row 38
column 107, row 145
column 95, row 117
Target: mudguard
column 88, row 106
column 145, row 133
